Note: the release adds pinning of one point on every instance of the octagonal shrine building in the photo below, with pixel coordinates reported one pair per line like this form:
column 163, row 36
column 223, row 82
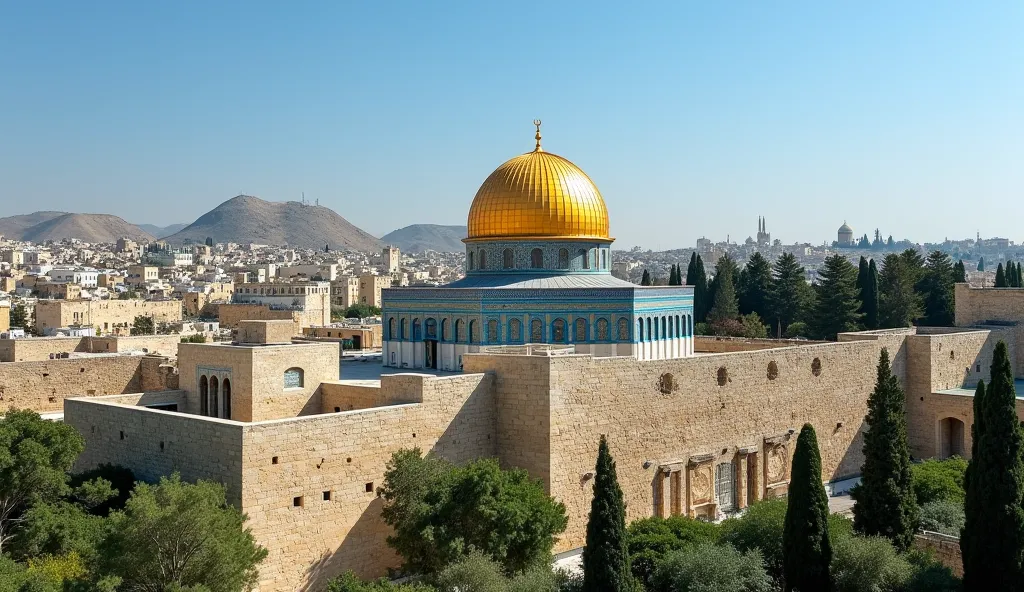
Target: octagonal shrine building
column 538, row 273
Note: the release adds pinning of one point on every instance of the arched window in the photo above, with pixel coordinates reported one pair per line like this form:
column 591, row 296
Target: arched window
column 405, row 329
column 563, row 258
column 593, row 258
column 581, row 331
column 391, row 328
column 444, row 330
column 602, row 330
column 584, row 260
column 623, row 329
column 470, row 260
column 664, row 323
column 640, row 330
column 416, row 330
column 537, row 331
column 604, row 258
column 473, row 337
column 458, row 330
column 213, row 397
column 492, row 331
column 558, row 331
column 483, row 259
column 537, row 259
column 506, row 259
column 515, row 331
column 649, row 334
column 431, row 325
column 204, row 391
column 226, row 387
column 293, row 378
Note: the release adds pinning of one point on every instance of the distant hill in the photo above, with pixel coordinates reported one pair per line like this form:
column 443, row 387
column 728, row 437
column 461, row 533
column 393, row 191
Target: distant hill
column 423, row 237
column 91, row 228
column 246, row 219
column 14, row 226
column 161, row 231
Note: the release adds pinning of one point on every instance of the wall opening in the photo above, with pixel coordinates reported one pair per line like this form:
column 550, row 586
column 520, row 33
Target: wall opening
column 816, row 366
column 723, row 376
column 773, row 370
column 298, row 502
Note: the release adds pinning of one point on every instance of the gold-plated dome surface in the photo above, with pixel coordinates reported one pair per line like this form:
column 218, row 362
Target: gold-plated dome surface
column 538, row 195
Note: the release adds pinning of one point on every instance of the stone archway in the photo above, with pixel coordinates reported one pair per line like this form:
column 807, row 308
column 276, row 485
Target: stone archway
column 951, row 437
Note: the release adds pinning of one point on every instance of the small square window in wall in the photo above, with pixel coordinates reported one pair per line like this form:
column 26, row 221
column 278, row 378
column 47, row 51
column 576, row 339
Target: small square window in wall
column 273, row 460
column 369, row 487
column 327, row 496
column 298, row 502
column 122, row 435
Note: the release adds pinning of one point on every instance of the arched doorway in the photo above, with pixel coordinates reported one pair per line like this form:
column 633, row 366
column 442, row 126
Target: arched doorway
column 204, row 391
column 214, row 391
column 226, row 388
column 951, row 437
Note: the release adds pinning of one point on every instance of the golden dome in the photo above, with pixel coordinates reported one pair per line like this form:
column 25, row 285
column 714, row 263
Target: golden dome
column 538, row 195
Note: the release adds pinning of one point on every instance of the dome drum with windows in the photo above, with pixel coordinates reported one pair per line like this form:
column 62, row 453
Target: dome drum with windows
column 538, row 271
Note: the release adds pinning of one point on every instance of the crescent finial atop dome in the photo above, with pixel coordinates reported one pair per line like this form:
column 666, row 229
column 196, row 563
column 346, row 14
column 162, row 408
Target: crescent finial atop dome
column 536, row 122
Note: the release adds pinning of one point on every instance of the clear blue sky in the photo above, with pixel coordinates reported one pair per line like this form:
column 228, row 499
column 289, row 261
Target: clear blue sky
column 692, row 118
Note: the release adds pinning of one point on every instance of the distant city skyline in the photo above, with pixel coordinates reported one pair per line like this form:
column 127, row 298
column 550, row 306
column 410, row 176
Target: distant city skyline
column 690, row 119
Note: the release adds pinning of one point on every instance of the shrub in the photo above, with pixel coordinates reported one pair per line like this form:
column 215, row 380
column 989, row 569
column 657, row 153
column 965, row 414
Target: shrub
column 197, row 338
column 939, row 480
column 944, row 516
column 348, row 582
column 650, row 539
column 868, row 564
column 712, row 568
column 797, row 329
column 473, row 573
column 929, row 574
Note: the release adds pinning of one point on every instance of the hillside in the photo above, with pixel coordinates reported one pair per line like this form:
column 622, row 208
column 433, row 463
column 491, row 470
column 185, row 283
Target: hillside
column 161, row 231
column 92, row 228
column 247, row 219
column 422, row 237
column 14, row 226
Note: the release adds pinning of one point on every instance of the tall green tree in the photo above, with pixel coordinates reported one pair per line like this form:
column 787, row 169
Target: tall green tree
column 838, row 301
column 606, row 556
column 1001, row 277
column 725, row 305
column 899, row 304
column 697, row 277
column 788, row 296
column 972, row 534
column 992, row 540
column 937, row 289
column 806, row 550
column 885, row 501
column 754, row 284
column 981, row 264
column 19, row 316
column 176, row 535
column 645, row 280
column 862, row 274
column 35, row 457
column 869, row 303
column 913, row 264
column 959, row 272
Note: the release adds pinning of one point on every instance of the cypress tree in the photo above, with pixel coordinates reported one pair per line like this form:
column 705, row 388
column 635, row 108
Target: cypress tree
column 697, row 278
column 691, row 270
column 646, row 279
column 960, row 272
column 836, row 309
column 1020, row 278
column 885, row 501
column 871, row 297
column 994, row 528
column 672, row 275
column 606, row 558
column 973, row 499
column 806, row 550
column 981, row 264
column 725, row 305
column 1000, row 277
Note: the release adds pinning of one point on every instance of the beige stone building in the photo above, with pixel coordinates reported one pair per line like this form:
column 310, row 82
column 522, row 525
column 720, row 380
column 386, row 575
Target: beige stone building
column 140, row 276
column 361, row 336
column 310, row 300
column 345, row 291
column 5, row 315
column 106, row 316
column 370, row 289
column 392, row 259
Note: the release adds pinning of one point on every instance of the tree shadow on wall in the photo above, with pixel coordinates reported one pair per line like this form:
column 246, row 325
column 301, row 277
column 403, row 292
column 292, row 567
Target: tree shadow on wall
column 853, row 457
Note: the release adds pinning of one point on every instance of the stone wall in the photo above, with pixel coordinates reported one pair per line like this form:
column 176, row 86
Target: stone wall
column 341, row 396
column 288, row 465
column 720, row 345
column 977, row 305
column 35, row 349
column 155, row 443
column 104, row 315
column 229, row 315
column 43, row 386
column 945, row 548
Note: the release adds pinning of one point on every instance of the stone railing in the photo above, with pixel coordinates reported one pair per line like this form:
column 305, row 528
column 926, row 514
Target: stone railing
column 530, row 349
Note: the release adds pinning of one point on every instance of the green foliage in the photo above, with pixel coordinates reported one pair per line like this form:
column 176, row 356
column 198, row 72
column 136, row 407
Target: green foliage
column 867, row 284
column 992, row 542
column 885, row 502
column 361, row 311
column 806, row 549
column 981, row 264
column 753, row 327
column 143, row 325
column 706, row 567
column 797, row 329
column 790, row 298
column 725, row 307
column 838, row 300
column 645, row 280
column 649, row 539
column 473, row 573
column 35, row 456
column 959, row 272
column 943, row 516
column 1001, row 277
column 348, row 582
column 899, row 304
column 181, row 534
column 59, row 528
column 196, row 338
column 606, row 565
column 930, row 575
column 939, row 480
column 869, row 564
column 19, row 316
column 754, row 284
column 441, row 512
column 937, row 290
column 697, row 277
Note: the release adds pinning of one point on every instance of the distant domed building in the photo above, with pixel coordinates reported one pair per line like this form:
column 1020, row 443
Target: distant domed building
column 845, row 236
column 538, row 271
